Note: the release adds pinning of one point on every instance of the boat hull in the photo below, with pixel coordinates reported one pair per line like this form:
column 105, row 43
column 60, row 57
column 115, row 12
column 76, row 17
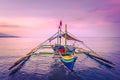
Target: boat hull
column 69, row 62
column 68, row 59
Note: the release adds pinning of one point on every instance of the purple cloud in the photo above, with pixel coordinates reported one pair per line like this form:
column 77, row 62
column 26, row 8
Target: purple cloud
column 77, row 13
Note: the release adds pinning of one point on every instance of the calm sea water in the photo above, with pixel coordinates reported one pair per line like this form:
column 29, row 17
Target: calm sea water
column 44, row 67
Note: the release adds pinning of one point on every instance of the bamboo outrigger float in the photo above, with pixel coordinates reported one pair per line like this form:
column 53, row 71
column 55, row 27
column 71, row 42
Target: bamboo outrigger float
column 66, row 52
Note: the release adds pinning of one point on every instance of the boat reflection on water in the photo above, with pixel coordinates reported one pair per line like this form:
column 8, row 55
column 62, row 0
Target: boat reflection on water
column 59, row 72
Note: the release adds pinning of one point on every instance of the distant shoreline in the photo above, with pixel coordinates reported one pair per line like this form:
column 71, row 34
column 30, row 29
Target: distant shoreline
column 9, row 36
column 39, row 37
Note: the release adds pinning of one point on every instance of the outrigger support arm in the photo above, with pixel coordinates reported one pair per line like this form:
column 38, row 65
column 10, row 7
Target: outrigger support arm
column 23, row 59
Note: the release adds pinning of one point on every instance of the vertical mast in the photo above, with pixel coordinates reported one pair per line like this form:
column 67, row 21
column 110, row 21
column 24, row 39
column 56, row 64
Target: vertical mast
column 60, row 36
column 59, row 33
column 65, row 38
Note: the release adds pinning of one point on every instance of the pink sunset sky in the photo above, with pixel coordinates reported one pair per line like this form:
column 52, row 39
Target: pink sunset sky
column 40, row 18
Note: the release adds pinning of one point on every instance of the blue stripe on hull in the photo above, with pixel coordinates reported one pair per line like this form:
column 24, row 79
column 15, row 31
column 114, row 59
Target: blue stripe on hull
column 69, row 65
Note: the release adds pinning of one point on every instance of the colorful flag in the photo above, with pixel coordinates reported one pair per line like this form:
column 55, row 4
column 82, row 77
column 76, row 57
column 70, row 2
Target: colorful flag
column 60, row 24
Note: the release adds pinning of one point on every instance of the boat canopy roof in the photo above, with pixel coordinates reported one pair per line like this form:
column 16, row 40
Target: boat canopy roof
column 68, row 37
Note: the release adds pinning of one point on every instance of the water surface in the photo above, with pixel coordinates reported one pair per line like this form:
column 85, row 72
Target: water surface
column 45, row 67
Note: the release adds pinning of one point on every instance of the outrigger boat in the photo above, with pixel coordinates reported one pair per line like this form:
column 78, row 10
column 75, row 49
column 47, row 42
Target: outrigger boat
column 67, row 53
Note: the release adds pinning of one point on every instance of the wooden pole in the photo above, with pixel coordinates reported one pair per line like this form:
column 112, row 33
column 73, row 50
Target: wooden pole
column 65, row 38
column 60, row 36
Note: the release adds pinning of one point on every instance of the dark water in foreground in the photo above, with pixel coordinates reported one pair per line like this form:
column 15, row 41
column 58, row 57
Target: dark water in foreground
column 45, row 67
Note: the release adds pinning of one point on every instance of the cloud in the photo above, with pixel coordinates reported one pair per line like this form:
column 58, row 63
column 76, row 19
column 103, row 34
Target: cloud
column 37, row 17
column 29, row 26
column 3, row 24
column 110, row 14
